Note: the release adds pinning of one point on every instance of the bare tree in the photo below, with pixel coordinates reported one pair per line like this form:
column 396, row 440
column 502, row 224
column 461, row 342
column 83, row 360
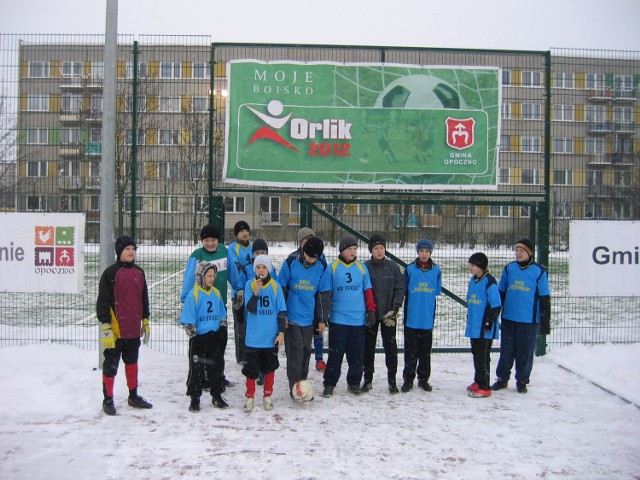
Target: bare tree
column 8, row 154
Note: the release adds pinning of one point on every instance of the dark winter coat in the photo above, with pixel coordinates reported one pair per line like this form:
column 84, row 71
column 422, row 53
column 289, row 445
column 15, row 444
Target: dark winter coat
column 388, row 285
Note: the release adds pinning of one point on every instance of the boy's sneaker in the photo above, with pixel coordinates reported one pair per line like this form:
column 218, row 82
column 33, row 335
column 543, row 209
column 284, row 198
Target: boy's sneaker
column 194, row 406
column 423, row 384
column 354, row 389
column 139, row 402
column 521, row 386
column 499, row 385
column 321, row 366
column 328, row 391
column 473, row 387
column 393, row 388
column 406, row 386
column 219, row 402
column 248, row 405
column 260, row 380
column 267, row 403
column 366, row 386
column 479, row 393
column 108, row 407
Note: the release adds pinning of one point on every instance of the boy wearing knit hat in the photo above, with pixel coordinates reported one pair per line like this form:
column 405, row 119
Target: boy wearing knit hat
column 240, row 254
column 483, row 308
column 352, row 308
column 266, row 313
column 123, row 323
column 304, row 234
column 526, row 306
column 388, row 290
column 424, row 282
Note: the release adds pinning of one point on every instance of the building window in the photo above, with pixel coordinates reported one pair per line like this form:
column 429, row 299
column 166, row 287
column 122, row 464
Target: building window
column 71, row 69
column 563, row 177
column 200, row 104
column 37, row 168
column 69, row 136
column 595, row 113
column 563, row 80
column 201, row 70
column 530, row 176
column 37, row 136
column 94, row 203
column 170, row 70
column 465, row 211
column 530, row 79
column 506, row 110
column 142, row 103
column 622, row 179
column 594, row 178
column 504, row 176
column 68, row 168
column 39, row 69
column 198, row 171
column 69, row 203
column 169, row 104
column 200, row 204
column 506, row 77
column 594, row 210
column 169, row 170
column 563, row 145
column 199, row 137
column 623, row 114
column 234, row 204
column 563, row 113
column 594, row 80
column 505, row 143
column 142, row 136
column 169, row 205
column 431, row 210
column 594, row 146
column 531, row 111
column 530, row 144
column 97, row 70
column 562, row 210
column 621, row 211
column 270, row 209
column 38, row 103
column 499, row 211
column 143, row 70
column 139, row 204
column 169, row 137
column 36, row 203
column 525, row 211
column 368, row 209
column 94, row 169
column 623, row 83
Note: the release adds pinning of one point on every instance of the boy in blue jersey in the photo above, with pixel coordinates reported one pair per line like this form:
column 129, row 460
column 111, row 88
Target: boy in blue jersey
column 526, row 304
column 352, row 308
column 306, row 285
column 424, row 282
column 240, row 254
column 215, row 252
column 304, row 234
column 203, row 316
column 483, row 308
column 266, row 321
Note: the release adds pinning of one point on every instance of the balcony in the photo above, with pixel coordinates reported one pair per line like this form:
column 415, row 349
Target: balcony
column 624, row 128
column 624, row 159
column 599, row 127
column 70, row 151
column 69, row 183
column 600, row 95
column 94, row 116
column 93, row 149
column 69, row 117
column 621, row 95
column 92, row 183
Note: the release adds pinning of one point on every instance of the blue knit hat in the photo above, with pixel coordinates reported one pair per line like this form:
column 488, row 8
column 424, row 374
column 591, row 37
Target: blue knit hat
column 424, row 243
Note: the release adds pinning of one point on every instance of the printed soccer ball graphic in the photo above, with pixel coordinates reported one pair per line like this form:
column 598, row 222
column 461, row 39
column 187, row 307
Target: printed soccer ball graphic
column 302, row 391
column 419, row 91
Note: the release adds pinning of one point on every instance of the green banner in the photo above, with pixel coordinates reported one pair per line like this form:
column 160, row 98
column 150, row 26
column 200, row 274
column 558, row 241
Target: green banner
column 367, row 126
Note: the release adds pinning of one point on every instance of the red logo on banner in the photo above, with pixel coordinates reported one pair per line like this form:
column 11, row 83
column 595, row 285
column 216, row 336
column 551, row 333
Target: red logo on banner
column 460, row 132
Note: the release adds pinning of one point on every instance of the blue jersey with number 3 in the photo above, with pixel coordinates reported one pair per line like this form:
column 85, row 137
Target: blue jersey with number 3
column 348, row 283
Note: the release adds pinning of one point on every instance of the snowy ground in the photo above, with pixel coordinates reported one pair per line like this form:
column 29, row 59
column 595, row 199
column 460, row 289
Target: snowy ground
column 566, row 427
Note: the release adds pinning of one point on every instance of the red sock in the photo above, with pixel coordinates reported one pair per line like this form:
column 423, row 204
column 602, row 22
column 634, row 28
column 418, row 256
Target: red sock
column 107, row 386
column 131, row 372
column 269, row 378
column 251, row 387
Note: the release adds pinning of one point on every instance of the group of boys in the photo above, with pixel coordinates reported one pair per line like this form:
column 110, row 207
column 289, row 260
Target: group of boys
column 295, row 306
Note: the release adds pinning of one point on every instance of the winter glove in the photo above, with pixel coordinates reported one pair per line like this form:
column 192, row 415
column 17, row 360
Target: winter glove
column 545, row 315
column 107, row 337
column 238, row 301
column 145, row 331
column 487, row 325
column 391, row 317
column 371, row 319
column 190, row 330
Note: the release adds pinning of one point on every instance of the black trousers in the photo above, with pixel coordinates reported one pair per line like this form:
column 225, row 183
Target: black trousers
column 417, row 352
column 481, row 350
column 127, row 348
column 390, row 346
column 209, row 348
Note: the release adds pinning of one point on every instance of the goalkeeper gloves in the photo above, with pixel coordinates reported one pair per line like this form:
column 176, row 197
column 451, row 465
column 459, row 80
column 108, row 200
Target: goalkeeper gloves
column 145, row 331
column 238, row 301
column 107, row 337
column 391, row 317
column 190, row 330
column 371, row 319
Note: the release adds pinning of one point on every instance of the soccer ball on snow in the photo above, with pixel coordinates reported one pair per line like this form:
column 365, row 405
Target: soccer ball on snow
column 302, row 391
column 419, row 91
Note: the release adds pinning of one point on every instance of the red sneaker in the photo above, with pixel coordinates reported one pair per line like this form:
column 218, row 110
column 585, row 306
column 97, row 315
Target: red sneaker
column 479, row 393
column 473, row 387
column 321, row 366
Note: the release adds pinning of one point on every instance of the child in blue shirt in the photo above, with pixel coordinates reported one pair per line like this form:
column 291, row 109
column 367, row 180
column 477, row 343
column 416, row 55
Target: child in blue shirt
column 483, row 308
column 266, row 321
column 424, row 283
column 204, row 317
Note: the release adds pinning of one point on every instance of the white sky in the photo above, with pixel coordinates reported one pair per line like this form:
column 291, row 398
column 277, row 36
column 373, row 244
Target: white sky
column 492, row 24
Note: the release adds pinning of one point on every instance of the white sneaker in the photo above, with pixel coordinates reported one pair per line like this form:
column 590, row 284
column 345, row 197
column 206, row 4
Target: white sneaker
column 248, row 405
column 267, row 403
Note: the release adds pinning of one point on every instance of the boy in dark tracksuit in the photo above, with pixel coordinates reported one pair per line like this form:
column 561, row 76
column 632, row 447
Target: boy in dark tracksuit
column 204, row 315
column 122, row 309
column 388, row 289
column 483, row 308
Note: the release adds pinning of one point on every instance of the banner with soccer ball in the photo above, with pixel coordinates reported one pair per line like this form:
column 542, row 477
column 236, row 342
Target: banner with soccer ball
column 368, row 126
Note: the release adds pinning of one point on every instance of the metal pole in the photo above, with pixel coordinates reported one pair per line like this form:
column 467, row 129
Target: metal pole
column 134, row 144
column 108, row 162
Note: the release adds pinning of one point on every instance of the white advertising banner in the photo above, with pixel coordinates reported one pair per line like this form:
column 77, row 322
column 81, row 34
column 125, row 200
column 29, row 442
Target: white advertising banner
column 42, row 252
column 604, row 258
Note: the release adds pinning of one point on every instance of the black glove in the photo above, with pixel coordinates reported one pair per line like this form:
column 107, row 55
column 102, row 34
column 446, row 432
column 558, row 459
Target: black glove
column 545, row 315
column 371, row 319
column 487, row 325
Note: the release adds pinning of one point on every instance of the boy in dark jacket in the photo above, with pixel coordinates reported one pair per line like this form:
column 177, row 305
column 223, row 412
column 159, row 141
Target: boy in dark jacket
column 122, row 309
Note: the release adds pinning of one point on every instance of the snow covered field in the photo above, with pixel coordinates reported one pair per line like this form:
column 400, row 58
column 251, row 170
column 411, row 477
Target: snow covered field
column 52, row 425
